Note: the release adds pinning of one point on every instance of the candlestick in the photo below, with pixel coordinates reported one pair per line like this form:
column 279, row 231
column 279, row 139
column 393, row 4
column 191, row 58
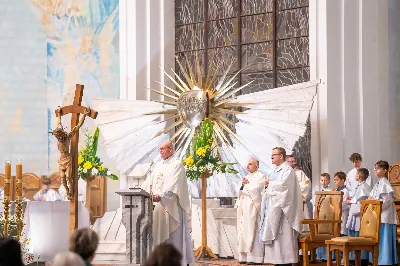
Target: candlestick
column 18, row 194
column 7, row 183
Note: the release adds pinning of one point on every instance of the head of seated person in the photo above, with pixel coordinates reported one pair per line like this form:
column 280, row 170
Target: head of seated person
column 84, row 243
column 164, row 255
column 67, row 259
column 10, row 252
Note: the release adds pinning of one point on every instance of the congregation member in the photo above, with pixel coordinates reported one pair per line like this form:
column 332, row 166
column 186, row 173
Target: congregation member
column 361, row 192
column 351, row 183
column 339, row 178
column 305, row 188
column 282, row 211
column 168, row 185
column 67, row 259
column 84, row 243
column 10, row 252
column 248, row 215
column 164, row 255
column 383, row 191
column 46, row 193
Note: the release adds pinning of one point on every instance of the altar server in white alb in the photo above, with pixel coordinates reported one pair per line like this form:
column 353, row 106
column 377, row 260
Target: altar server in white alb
column 282, row 211
column 305, row 187
column 81, row 191
column 46, row 193
column 351, row 182
column 248, row 215
column 171, row 214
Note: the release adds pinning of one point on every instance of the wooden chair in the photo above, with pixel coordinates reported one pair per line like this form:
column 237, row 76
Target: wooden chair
column 368, row 238
column 325, row 225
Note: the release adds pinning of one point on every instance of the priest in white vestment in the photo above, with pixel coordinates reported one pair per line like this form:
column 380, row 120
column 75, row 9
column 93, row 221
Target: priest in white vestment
column 282, row 211
column 305, row 189
column 168, row 185
column 46, row 193
column 249, row 214
column 81, row 191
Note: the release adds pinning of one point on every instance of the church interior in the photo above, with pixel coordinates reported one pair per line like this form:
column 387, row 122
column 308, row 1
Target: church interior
column 228, row 102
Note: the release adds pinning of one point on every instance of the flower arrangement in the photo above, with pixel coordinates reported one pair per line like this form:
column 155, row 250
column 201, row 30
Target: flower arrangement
column 89, row 164
column 202, row 157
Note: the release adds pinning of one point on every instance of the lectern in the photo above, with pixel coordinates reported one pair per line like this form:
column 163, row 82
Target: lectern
column 137, row 219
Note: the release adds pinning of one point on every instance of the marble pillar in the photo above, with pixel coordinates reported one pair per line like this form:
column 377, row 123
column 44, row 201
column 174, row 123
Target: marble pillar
column 137, row 219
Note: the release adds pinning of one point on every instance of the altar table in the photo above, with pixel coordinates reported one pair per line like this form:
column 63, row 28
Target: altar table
column 47, row 226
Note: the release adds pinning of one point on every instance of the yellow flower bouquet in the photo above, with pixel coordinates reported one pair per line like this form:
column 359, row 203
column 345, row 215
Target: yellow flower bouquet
column 202, row 158
column 89, row 164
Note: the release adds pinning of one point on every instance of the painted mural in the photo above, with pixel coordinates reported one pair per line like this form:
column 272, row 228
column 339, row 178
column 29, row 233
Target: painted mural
column 82, row 48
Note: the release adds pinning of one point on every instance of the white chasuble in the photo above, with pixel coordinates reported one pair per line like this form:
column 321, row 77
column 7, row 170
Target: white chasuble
column 248, row 219
column 281, row 215
column 172, row 213
column 48, row 195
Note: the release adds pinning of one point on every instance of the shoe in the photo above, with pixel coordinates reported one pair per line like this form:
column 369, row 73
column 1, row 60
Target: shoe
column 253, row 263
column 242, row 262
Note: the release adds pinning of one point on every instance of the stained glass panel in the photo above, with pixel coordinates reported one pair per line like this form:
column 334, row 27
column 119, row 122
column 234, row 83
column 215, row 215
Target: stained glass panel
column 189, row 37
column 223, row 33
column 292, row 76
column 292, row 23
column 189, row 11
column 257, row 57
column 218, row 9
column 222, row 58
column 256, row 6
column 261, row 81
column 257, row 28
column 288, row 4
column 292, row 52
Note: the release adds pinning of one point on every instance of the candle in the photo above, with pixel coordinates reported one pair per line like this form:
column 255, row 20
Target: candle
column 7, row 181
column 18, row 176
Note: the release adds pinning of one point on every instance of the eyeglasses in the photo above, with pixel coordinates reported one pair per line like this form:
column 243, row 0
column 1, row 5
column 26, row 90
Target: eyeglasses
column 276, row 154
column 163, row 149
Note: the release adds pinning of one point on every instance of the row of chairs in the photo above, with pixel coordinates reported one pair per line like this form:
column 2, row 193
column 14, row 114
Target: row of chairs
column 324, row 230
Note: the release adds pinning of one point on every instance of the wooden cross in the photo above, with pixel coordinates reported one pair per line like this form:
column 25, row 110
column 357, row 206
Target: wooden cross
column 75, row 109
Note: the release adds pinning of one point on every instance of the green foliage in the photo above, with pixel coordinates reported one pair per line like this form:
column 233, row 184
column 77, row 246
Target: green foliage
column 89, row 164
column 203, row 157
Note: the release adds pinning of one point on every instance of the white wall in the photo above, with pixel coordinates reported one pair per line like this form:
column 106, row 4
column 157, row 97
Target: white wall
column 349, row 53
column 147, row 36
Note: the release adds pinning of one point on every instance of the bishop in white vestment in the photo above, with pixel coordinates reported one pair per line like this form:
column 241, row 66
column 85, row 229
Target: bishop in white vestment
column 281, row 213
column 168, row 185
column 249, row 214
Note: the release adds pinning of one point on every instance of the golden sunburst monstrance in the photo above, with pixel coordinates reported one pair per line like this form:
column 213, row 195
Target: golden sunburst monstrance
column 218, row 98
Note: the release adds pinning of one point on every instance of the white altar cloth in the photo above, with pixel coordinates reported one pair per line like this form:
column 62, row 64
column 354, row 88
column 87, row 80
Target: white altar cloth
column 47, row 225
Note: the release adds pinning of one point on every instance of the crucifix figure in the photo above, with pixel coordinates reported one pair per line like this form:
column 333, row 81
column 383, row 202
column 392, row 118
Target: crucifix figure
column 63, row 144
column 68, row 147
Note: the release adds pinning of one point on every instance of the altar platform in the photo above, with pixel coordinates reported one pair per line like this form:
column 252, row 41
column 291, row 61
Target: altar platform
column 221, row 233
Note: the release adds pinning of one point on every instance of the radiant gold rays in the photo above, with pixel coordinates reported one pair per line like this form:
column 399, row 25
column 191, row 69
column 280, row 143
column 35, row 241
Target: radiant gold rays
column 220, row 95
